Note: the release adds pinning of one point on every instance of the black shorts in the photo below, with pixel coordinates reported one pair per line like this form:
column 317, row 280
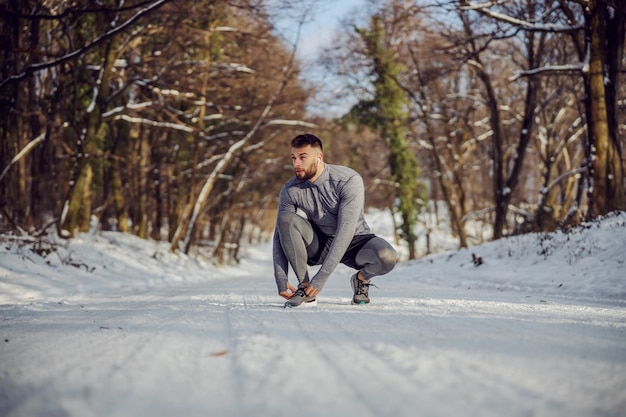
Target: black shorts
column 349, row 258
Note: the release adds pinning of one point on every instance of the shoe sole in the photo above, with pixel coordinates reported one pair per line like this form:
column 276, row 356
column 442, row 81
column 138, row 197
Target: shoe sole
column 305, row 304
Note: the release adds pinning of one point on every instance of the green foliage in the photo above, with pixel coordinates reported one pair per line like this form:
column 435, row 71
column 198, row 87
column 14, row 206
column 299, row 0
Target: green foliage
column 387, row 113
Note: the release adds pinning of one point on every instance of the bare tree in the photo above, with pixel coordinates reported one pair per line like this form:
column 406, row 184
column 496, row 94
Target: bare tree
column 140, row 102
column 596, row 29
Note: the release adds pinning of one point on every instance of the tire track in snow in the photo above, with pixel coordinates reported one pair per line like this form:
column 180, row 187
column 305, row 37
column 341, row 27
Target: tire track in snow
column 252, row 352
column 91, row 351
column 378, row 387
column 327, row 354
column 498, row 356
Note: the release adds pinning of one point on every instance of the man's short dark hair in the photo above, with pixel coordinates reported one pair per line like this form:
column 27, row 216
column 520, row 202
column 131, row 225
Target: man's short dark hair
column 306, row 139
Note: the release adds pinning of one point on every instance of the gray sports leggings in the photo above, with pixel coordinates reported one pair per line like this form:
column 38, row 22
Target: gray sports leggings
column 304, row 245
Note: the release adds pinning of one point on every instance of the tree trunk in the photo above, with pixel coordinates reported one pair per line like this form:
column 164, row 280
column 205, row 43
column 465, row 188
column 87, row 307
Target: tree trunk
column 615, row 35
column 500, row 197
column 530, row 104
column 190, row 215
column 79, row 204
column 607, row 190
column 117, row 189
column 144, row 188
column 455, row 205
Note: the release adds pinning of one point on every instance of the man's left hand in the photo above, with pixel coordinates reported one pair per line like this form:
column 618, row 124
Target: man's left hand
column 311, row 291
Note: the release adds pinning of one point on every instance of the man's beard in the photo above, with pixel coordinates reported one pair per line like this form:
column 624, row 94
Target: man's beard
column 307, row 174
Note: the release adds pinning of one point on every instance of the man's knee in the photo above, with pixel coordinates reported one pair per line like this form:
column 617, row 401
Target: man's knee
column 378, row 256
column 388, row 257
column 286, row 218
column 291, row 224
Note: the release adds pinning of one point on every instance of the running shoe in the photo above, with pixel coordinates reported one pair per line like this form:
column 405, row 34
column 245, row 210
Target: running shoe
column 361, row 290
column 300, row 297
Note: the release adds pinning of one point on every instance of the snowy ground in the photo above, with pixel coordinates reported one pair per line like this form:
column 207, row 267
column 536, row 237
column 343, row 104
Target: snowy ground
column 114, row 326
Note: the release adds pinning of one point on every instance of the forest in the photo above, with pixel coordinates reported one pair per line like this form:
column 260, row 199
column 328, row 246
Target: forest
column 171, row 120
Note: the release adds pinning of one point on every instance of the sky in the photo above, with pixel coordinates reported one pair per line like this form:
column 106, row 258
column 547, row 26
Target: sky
column 323, row 22
column 326, row 21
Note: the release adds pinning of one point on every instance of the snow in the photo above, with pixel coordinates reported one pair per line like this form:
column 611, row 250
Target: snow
column 111, row 325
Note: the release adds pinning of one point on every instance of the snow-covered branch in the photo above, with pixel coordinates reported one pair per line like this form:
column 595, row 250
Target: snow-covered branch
column 29, row 147
column 466, row 96
column 233, row 66
column 484, row 8
column 477, row 214
column 190, row 215
column 223, row 135
column 551, row 69
column 130, row 106
column 175, row 126
column 81, row 51
column 225, row 29
column 140, row 120
column 562, row 177
column 284, row 122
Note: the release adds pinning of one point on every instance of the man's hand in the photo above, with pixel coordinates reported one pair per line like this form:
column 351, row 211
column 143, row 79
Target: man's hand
column 289, row 292
column 310, row 291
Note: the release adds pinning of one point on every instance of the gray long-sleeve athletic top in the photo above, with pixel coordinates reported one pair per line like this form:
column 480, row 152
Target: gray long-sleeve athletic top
column 334, row 204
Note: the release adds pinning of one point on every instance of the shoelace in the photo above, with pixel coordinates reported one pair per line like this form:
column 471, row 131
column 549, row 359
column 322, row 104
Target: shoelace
column 364, row 287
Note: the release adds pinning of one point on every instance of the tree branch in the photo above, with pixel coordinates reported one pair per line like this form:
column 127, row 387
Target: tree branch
column 72, row 11
column 483, row 8
column 81, row 51
column 25, row 151
column 185, row 228
column 551, row 69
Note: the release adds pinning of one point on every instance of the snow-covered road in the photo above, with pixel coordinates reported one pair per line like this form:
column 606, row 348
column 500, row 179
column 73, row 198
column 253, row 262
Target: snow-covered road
column 436, row 341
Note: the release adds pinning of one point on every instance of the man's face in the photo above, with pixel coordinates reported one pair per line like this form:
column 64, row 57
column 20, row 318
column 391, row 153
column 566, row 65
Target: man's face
column 305, row 162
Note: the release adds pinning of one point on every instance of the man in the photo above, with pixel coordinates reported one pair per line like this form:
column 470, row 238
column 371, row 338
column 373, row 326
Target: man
column 320, row 222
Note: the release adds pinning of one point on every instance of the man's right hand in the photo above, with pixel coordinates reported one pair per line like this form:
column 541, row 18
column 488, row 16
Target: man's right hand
column 289, row 292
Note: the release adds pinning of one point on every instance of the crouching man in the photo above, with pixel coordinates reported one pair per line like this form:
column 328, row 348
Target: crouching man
column 321, row 222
